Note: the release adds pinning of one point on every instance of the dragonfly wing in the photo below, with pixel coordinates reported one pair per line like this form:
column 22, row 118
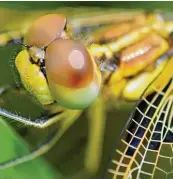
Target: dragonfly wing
column 141, row 152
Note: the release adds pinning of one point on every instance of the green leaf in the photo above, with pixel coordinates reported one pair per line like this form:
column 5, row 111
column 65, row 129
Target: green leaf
column 11, row 147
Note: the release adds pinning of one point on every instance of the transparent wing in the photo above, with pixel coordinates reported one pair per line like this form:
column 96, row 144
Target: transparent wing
column 145, row 149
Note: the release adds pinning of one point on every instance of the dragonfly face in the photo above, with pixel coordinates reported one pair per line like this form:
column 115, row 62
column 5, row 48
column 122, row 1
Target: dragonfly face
column 56, row 67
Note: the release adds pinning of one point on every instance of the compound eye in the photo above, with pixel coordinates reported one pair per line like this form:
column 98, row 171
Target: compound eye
column 73, row 78
column 69, row 64
column 45, row 29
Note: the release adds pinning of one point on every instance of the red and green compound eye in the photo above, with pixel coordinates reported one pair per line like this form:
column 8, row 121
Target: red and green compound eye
column 73, row 78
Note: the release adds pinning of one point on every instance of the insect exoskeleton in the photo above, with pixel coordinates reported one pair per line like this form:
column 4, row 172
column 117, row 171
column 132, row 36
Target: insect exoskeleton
column 139, row 54
column 55, row 67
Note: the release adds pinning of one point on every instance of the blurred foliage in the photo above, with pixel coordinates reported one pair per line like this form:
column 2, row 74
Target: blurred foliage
column 152, row 5
column 13, row 146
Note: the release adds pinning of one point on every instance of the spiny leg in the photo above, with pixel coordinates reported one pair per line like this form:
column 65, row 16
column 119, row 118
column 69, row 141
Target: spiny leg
column 41, row 122
column 48, row 144
column 96, row 132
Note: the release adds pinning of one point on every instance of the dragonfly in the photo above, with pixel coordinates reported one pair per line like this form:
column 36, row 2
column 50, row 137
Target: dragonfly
column 117, row 55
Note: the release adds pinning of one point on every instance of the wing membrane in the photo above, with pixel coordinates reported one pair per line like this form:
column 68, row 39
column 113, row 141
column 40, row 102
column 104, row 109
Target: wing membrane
column 141, row 152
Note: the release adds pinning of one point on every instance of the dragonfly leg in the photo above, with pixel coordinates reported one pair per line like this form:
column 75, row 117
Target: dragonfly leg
column 41, row 122
column 47, row 144
column 93, row 153
column 10, row 38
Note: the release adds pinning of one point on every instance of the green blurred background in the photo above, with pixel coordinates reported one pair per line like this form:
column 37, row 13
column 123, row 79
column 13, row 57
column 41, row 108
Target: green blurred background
column 68, row 154
column 152, row 5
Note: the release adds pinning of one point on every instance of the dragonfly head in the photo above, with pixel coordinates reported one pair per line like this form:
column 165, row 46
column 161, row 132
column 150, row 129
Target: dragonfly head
column 71, row 73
